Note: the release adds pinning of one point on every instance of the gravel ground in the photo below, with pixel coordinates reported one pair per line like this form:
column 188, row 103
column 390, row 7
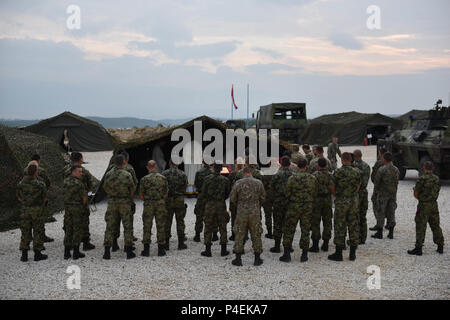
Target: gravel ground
column 187, row 275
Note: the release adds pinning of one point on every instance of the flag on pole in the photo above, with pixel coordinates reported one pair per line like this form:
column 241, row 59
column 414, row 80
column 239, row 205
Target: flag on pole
column 232, row 97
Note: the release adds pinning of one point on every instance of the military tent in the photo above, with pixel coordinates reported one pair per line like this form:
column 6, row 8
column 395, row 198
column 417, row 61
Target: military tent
column 415, row 114
column 81, row 134
column 141, row 150
column 350, row 127
column 16, row 149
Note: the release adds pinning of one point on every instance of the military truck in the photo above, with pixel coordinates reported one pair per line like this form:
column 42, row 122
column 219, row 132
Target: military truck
column 422, row 139
column 288, row 117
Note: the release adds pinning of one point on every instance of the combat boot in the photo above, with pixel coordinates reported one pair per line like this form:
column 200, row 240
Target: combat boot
column 224, row 252
column 374, row 228
column 391, row 233
column 161, row 250
column 146, row 251
column 286, row 257
column 315, row 246
column 440, row 248
column 48, row 239
column 378, row 234
column 232, row 236
column 197, row 237
column 237, row 261
column 67, row 254
column 77, row 254
column 276, row 248
column 215, row 237
column 130, row 253
column 38, row 256
column 258, row 260
column 352, row 255
column 87, row 245
column 325, row 245
column 207, row 252
column 337, row 256
column 135, row 239
column 115, row 246
column 304, row 256
column 269, row 234
column 107, row 254
column 132, row 248
column 24, row 257
column 181, row 245
column 416, row 251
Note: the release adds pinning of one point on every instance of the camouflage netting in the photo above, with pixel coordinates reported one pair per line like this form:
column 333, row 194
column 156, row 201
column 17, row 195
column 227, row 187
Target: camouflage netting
column 350, row 127
column 16, row 149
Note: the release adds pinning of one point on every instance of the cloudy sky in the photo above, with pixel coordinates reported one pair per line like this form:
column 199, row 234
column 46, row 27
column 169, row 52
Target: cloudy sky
column 178, row 58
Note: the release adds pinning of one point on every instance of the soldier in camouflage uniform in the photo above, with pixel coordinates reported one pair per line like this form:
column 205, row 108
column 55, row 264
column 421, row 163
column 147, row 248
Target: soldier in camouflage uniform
column 247, row 195
column 119, row 186
column 363, row 194
column 376, row 166
column 268, row 203
column 308, row 154
column 332, row 151
column 32, row 194
column 88, row 181
column 319, row 155
column 426, row 191
column 153, row 190
column 177, row 181
column 200, row 204
column 280, row 202
column 42, row 176
column 296, row 155
column 347, row 181
column 386, row 183
column 301, row 193
column 323, row 207
column 75, row 198
column 128, row 167
column 216, row 189
column 232, row 177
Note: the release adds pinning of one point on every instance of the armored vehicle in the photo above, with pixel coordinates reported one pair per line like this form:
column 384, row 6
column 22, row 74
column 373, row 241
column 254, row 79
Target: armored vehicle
column 422, row 139
column 288, row 117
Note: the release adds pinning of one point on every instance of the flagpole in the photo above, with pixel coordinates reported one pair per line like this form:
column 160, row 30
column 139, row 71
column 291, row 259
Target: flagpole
column 231, row 101
column 248, row 89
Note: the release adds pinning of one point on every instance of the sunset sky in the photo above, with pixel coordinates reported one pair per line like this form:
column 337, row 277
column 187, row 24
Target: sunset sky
column 178, row 59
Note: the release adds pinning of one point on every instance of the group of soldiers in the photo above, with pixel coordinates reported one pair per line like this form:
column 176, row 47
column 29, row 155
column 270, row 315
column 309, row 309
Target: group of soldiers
column 301, row 191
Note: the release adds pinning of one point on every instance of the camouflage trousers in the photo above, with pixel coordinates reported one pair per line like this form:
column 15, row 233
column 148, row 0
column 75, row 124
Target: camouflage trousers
column 362, row 209
column 374, row 205
column 118, row 210
column 175, row 207
column 154, row 209
column 428, row 212
column 85, row 234
column 346, row 216
column 133, row 211
column 297, row 211
column 279, row 214
column 268, row 212
column 216, row 214
column 31, row 222
column 73, row 216
column 199, row 211
column 248, row 223
column 386, row 210
column 322, row 210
